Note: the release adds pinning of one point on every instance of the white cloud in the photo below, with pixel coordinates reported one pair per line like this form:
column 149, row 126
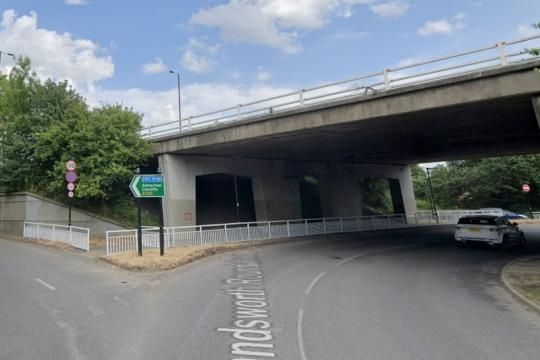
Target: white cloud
column 59, row 56
column 526, row 30
column 155, row 67
column 161, row 106
column 76, row 2
column 443, row 26
column 391, row 8
column 263, row 75
column 273, row 23
column 198, row 57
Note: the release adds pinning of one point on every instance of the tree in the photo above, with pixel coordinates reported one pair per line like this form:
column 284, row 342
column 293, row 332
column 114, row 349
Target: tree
column 43, row 124
column 495, row 182
column 106, row 144
column 22, row 116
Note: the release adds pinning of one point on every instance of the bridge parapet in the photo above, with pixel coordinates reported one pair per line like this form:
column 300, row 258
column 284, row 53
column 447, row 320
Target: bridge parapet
column 501, row 54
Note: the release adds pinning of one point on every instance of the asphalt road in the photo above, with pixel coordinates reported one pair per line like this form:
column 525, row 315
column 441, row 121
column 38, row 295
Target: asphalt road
column 408, row 294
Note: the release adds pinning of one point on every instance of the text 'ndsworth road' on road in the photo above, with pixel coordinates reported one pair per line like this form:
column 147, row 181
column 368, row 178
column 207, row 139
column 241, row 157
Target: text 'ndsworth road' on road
column 251, row 326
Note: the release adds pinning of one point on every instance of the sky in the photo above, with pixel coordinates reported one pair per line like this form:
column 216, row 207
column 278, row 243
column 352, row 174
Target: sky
column 230, row 52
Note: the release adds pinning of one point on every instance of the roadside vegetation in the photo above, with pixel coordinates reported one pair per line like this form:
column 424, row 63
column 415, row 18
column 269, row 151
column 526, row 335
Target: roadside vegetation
column 45, row 123
column 473, row 184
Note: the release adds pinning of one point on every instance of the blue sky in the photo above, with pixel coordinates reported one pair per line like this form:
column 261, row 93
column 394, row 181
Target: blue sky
column 234, row 51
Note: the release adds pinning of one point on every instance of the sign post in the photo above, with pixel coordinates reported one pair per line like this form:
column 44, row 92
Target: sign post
column 526, row 188
column 148, row 186
column 71, row 177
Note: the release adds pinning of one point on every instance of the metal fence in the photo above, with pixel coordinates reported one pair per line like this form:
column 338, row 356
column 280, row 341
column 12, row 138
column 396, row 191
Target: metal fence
column 489, row 57
column 119, row 241
column 72, row 235
column 450, row 216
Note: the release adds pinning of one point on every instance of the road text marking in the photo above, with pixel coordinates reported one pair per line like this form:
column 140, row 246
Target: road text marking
column 299, row 334
column 251, row 328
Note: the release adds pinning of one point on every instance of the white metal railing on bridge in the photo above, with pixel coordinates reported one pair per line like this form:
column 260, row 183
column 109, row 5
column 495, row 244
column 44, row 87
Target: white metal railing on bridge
column 498, row 55
column 77, row 237
column 119, row 241
column 450, row 216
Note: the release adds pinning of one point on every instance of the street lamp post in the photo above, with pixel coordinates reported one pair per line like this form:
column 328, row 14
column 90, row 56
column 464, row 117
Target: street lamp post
column 431, row 196
column 179, row 101
column 8, row 54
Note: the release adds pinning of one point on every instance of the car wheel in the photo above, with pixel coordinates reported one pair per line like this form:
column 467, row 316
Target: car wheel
column 522, row 242
column 505, row 243
column 461, row 244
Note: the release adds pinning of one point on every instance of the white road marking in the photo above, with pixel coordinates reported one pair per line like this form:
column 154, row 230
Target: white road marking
column 376, row 252
column 308, row 290
column 300, row 336
column 47, row 285
column 120, row 300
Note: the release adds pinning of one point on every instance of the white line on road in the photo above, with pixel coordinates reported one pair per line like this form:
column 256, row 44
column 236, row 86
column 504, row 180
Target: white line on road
column 299, row 334
column 377, row 252
column 118, row 299
column 47, row 285
column 308, row 290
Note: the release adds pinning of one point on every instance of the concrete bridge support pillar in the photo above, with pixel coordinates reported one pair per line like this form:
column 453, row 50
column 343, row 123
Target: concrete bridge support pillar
column 340, row 196
column 179, row 203
column 277, row 198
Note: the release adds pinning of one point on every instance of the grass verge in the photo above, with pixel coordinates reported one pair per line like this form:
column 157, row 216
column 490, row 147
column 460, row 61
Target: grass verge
column 173, row 258
column 524, row 276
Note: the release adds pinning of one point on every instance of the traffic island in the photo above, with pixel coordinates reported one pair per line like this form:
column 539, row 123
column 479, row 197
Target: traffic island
column 522, row 278
column 173, row 257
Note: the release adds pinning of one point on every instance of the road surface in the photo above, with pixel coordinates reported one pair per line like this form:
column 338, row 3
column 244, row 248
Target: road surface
column 406, row 294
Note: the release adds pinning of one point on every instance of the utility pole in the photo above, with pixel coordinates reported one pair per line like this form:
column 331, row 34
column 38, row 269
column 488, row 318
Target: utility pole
column 431, row 196
column 179, row 99
column 8, row 54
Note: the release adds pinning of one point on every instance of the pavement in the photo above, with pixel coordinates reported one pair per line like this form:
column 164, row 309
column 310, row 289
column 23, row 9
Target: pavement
column 402, row 294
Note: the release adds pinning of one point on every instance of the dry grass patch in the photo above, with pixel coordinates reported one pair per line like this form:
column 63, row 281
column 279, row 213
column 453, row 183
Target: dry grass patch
column 173, row 258
column 524, row 276
column 53, row 244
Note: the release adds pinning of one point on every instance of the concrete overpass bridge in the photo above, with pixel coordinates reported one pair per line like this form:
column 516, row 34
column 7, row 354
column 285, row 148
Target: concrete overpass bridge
column 255, row 156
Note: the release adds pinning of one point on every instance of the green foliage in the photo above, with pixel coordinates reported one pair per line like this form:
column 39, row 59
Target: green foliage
column 534, row 51
column 376, row 195
column 106, row 144
column 43, row 124
column 494, row 182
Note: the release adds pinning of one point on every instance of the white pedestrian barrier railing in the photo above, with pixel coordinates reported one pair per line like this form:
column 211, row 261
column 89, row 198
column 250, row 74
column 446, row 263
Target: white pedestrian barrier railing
column 489, row 57
column 450, row 217
column 77, row 237
column 119, row 241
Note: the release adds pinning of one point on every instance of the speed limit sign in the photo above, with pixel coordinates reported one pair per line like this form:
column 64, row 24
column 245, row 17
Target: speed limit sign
column 526, row 188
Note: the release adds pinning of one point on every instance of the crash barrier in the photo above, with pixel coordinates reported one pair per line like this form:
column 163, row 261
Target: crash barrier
column 77, row 237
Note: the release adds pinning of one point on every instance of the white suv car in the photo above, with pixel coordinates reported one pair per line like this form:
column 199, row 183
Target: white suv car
column 493, row 230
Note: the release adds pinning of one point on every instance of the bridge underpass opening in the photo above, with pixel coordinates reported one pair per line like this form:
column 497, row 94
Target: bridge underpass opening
column 381, row 196
column 216, row 196
column 310, row 198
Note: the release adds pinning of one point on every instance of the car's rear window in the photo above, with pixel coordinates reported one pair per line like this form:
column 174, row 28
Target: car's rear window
column 477, row 221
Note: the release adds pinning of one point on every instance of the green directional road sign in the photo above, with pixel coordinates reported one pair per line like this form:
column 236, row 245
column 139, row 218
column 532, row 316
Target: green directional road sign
column 148, row 186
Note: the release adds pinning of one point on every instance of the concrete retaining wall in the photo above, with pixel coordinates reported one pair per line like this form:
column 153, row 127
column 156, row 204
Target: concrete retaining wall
column 17, row 208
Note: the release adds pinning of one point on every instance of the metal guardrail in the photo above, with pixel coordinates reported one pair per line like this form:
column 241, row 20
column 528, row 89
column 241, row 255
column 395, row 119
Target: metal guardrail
column 489, row 57
column 119, row 241
column 72, row 235
column 450, row 217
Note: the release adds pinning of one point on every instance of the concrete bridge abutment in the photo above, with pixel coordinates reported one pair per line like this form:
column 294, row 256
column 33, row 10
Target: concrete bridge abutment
column 242, row 189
